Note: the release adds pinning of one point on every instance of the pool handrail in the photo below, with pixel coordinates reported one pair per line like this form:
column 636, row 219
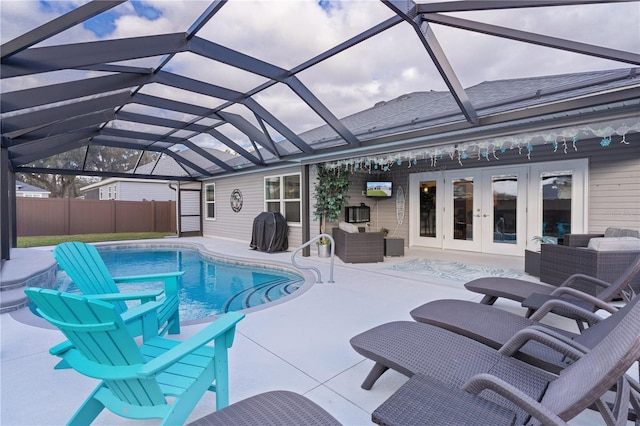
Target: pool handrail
column 317, row 271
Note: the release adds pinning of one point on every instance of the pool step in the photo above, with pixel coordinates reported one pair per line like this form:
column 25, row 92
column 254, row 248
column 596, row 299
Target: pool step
column 265, row 292
column 25, row 268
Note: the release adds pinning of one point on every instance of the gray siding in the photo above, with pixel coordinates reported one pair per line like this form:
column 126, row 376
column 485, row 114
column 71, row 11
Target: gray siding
column 614, row 190
column 138, row 191
column 614, row 183
column 614, row 187
column 238, row 226
column 383, row 210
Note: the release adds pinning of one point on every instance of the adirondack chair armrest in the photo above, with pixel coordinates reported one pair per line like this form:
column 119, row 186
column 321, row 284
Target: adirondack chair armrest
column 60, row 348
column 170, row 280
column 142, row 296
column 142, row 320
column 137, row 319
column 483, row 381
column 222, row 327
column 577, row 312
column 149, row 277
column 564, row 346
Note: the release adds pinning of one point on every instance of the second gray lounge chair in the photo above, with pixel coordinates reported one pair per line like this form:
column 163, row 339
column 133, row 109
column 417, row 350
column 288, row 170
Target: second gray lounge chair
column 497, row 327
column 466, row 377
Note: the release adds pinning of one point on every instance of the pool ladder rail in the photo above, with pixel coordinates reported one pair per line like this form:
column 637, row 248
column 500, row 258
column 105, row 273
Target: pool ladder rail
column 313, row 268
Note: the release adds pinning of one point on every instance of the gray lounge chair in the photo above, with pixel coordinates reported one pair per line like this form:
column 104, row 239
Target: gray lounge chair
column 496, row 327
column 520, row 290
column 275, row 408
column 458, row 363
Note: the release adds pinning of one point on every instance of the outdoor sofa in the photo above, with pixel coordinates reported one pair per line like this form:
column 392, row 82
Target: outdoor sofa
column 355, row 246
column 604, row 256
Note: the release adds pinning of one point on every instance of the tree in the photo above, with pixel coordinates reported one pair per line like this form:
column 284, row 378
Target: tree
column 95, row 158
column 330, row 193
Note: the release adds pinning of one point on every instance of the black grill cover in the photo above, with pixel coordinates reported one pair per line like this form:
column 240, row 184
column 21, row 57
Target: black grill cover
column 270, row 232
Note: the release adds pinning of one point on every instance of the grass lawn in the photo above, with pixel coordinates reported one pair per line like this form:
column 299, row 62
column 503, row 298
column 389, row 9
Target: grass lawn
column 53, row 240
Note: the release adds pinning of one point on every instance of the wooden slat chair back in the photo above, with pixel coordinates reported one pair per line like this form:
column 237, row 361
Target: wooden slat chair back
column 85, row 267
column 136, row 379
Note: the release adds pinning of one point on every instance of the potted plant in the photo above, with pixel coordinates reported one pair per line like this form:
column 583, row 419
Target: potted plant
column 384, row 231
column 330, row 194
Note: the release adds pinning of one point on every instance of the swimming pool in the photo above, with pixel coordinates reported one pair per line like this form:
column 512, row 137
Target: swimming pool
column 210, row 285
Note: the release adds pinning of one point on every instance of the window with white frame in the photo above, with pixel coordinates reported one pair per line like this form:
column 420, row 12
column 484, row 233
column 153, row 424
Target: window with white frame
column 210, row 200
column 101, row 191
column 282, row 194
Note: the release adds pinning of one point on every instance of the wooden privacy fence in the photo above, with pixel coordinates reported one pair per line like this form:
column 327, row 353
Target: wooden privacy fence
column 66, row 216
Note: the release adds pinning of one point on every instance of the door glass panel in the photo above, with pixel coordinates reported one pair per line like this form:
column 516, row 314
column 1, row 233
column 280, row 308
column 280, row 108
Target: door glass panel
column 556, row 204
column 428, row 209
column 463, row 209
column 505, row 196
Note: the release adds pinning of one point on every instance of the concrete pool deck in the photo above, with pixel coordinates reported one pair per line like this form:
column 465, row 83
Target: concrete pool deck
column 301, row 345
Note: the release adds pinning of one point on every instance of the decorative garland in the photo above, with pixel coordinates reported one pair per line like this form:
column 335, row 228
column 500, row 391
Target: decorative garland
column 562, row 139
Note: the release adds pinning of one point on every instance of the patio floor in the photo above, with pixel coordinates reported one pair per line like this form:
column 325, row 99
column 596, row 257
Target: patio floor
column 301, row 345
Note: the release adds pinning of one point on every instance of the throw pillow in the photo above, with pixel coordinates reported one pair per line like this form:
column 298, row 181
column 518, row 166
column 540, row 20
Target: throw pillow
column 348, row 227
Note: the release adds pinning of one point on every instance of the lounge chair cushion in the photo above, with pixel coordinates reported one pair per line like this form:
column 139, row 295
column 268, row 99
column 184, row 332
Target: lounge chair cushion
column 614, row 244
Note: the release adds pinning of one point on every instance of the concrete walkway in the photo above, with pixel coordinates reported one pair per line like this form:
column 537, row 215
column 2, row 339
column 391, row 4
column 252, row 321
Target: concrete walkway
column 301, row 345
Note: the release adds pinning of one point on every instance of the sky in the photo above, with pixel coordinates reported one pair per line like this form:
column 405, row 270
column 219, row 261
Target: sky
column 287, row 33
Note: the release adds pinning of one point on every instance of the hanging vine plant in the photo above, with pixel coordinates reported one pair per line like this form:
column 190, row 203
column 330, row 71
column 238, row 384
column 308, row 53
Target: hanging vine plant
column 330, row 194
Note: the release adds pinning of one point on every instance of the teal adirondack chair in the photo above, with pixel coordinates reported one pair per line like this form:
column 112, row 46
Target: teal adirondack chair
column 87, row 270
column 136, row 380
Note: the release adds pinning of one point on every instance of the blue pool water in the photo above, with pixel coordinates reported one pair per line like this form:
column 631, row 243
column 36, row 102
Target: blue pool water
column 208, row 287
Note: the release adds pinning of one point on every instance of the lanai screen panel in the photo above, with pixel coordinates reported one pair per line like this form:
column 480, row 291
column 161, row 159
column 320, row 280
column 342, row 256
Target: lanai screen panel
column 213, row 88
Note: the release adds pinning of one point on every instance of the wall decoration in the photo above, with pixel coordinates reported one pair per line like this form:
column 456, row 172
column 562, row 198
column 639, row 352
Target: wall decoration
column 562, row 140
column 400, row 205
column 236, row 200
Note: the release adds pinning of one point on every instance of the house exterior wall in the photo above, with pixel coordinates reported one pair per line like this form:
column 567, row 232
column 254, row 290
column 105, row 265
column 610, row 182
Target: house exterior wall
column 613, row 195
column 138, row 191
column 239, row 225
column 613, row 179
column 129, row 190
column 32, row 194
column 614, row 187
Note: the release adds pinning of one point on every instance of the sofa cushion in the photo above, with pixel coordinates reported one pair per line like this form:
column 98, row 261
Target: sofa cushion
column 622, row 232
column 614, row 244
column 348, row 227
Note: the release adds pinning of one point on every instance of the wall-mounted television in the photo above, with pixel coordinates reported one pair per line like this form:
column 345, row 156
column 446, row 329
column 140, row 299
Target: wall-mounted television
column 379, row 189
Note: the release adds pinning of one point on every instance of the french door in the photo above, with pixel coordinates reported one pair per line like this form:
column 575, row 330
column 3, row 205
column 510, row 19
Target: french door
column 484, row 210
column 498, row 209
